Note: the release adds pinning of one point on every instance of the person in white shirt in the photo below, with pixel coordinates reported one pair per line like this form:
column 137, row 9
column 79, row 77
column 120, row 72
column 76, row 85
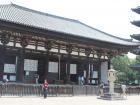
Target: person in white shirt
column 123, row 88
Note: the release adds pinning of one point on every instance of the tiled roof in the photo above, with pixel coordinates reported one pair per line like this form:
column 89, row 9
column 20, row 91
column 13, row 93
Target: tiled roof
column 137, row 9
column 136, row 23
column 136, row 36
column 24, row 16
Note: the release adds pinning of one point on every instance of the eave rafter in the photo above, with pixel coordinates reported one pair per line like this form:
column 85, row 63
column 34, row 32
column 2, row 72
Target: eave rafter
column 26, row 39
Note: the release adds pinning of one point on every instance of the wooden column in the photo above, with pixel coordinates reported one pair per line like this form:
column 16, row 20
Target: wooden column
column 87, row 53
column 5, row 39
column 99, row 62
column 59, row 62
column 46, row 65
column 24, row 41
column 2, row 59
column 20, row 66
column 91, row 72
column 87, row 70
column 99, row 73
column 109, row 64
column 110, row 56
column 48, row 47
column 69, row 51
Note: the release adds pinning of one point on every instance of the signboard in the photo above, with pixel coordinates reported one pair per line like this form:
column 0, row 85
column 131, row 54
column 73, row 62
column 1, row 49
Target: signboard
column 73, row 68
column 9, row 68
column 95, row 74
column 53, row 67
column 30, row 65
column 12, row 78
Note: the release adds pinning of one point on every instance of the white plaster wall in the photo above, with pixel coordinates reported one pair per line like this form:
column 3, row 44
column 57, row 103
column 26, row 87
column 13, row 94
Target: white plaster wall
column 104, row 69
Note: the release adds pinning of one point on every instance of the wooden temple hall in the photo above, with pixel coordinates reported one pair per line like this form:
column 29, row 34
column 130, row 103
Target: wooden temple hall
column 36, row 45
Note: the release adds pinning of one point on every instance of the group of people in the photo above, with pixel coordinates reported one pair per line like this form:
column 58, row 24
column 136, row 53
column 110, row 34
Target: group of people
column 101, row 89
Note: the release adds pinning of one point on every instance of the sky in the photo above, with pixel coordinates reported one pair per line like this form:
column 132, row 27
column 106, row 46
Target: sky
column 110, row 16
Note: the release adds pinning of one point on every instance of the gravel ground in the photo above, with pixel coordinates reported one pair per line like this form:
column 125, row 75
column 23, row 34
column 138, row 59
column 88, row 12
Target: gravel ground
column 76, row 100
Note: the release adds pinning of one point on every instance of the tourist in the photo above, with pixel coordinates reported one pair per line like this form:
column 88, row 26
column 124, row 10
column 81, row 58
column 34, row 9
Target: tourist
column 123, row 88
column 45, row 88
column 82, row 80
column 101, row 89
column 5, row 80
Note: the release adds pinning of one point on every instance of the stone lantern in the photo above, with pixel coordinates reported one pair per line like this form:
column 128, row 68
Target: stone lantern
column 111, row 95
column 111, row 79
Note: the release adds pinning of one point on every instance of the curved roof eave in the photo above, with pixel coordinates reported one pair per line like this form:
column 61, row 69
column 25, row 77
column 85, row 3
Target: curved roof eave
column 36, row 19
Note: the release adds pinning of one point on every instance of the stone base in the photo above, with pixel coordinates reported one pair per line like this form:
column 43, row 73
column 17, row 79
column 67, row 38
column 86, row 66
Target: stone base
column 109, row 96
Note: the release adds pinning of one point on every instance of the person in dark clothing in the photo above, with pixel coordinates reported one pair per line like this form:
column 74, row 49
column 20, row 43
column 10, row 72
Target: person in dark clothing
column 45, row 88
column 101, row 89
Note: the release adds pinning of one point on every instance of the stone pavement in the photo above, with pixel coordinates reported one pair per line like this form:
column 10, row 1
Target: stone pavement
column 76, row 100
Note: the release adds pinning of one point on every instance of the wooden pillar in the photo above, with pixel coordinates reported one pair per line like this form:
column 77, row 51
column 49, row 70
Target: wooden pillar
column 99, row 73
column 68, row 67
column 48, row 47
column 5, row 39
column 24, row 41
column 109, row 60
column 59, row 63
column 46, row 65
column 69, row 51
column 87, row 53
column 20, row 66
column 2, row 57
column 91, row 72
column 109, row 64
column 87, row 70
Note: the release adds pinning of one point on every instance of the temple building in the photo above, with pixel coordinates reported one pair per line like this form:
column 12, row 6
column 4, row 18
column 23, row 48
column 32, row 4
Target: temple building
column 36, row 45
column 137, row 37
column 136, row 23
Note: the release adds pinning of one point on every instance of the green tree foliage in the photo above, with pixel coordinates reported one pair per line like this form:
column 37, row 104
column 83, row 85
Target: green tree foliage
column 138, row 62
column 137, row 59
column 124, row 73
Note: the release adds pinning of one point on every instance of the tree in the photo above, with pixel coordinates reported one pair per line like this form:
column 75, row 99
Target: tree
column 137, row 59
column 124, row 73
column 138, row 62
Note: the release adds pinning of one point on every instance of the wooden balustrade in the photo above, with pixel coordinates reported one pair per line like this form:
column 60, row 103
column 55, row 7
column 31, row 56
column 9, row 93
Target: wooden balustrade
column 16, row 89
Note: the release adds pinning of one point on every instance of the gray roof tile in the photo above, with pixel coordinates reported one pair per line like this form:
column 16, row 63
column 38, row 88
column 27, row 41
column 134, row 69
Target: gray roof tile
column 21, row 15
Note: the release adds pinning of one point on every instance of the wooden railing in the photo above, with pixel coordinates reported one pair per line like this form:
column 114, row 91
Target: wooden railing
column 34, row 90
column 129, row 90
column 16, row 89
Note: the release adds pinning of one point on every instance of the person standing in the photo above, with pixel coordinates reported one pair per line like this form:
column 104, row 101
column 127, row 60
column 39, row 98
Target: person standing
column 101, row 89
column 45, row 88
column 123, row 88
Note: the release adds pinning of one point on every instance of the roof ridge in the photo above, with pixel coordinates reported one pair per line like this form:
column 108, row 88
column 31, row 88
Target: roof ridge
column 6, row 4
column 42, row 13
